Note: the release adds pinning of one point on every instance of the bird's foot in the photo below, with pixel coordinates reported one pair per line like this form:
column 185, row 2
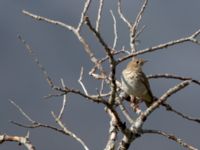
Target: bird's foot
column 137, row 109
column 135, row 105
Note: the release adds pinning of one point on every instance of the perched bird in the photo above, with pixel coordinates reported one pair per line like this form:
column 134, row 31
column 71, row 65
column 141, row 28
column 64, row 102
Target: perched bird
column 135, row 83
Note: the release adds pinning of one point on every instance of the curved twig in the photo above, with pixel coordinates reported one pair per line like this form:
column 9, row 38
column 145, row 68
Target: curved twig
column 171, row 137
column 173, row 76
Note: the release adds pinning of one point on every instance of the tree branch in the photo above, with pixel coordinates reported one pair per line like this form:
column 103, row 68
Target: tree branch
column 111, row 59
column 173, row 76
column 190, row 38
column 40, row 18
column 101, row 2
column 115, row 30
column 170, row 137
column 36, row 125
column 113, row 131
column 83, row 14
column 20, row 139
column 121, row 14
column 64, row 90
column 81, row 83
column 133, row 29
column 140, row 120
column 70, row 133
column 22, row 112
column 169, row 108
column 64, row 102
column 37, row 62
column 71, row 28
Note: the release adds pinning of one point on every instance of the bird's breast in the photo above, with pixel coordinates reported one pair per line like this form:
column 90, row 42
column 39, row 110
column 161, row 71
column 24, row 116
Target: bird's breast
column 132, row 85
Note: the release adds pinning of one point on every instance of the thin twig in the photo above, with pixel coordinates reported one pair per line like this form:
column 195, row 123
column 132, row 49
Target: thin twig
column 102, row 86
column 139, row 32
column 161, row 46
column 22, row 112
column 121, row 14
column 81, row 83
column 114, row 29
column 140, row 14
column 173, row 76
column 101, row 2
column 125, row 112
column 53, row 95
column 83, row 14
column 40, row 18
column 89, row 52
column 171, row 137
column 134, row 27
column 36, row 60
column 100, row 39
column 73, row 135
column 71, row 28
column 94, row 98
column 64, row 101
column 34, row 124
column 124, row 50
column 194, row 35
column 111, row 59
column 39, row 125
column 170, row 108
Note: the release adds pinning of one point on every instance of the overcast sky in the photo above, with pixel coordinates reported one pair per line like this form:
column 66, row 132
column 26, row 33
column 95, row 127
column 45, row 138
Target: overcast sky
column 62, row 55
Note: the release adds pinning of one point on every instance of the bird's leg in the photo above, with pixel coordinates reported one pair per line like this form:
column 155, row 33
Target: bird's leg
column 135, row 105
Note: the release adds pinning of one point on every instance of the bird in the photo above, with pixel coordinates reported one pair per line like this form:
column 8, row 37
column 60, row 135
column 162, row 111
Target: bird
column 135, row 83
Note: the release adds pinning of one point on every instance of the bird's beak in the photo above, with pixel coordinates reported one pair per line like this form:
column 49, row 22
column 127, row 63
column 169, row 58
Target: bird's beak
column 144, row 61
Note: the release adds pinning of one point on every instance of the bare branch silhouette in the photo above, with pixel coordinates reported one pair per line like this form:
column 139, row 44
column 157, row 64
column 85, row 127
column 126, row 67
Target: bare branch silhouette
column 190, row 38
column 35, row 124
column 171, row 137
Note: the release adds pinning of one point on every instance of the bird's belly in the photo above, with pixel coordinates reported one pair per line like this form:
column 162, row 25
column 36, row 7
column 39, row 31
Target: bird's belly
column 134, row 87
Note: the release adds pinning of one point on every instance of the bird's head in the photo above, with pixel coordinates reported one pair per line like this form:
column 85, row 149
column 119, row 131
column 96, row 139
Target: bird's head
column 136, row 64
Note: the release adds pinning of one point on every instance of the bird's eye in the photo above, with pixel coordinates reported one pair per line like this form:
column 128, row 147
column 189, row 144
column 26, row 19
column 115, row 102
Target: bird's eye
column 137, row 62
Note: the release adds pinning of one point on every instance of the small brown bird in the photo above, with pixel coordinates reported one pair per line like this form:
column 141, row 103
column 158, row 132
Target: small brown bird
column 135, row 83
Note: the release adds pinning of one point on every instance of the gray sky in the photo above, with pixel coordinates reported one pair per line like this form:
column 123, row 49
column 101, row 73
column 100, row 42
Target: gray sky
column 62, row 55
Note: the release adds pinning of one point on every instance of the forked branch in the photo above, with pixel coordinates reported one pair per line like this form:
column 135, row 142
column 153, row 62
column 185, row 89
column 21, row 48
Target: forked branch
column 191, row 38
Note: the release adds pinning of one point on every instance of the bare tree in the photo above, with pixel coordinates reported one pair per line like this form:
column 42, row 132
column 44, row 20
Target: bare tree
column 132, row 127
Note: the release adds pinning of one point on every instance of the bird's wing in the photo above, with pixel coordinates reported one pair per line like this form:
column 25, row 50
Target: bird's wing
column 145, row 81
